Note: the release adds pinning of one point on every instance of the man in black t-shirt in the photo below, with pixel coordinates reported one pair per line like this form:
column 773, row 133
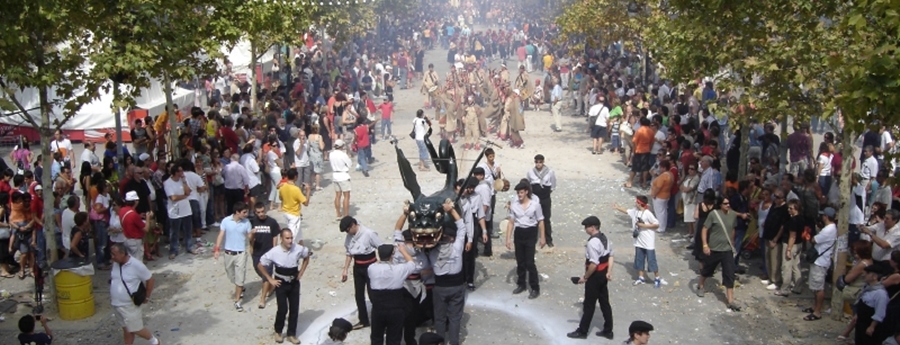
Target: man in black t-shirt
column 263, row 236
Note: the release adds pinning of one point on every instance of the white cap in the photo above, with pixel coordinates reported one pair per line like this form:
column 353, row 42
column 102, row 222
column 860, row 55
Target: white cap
column 38, row 187
column 517, row 91
column 339, row 143
column 131, row 196
column 144, row 156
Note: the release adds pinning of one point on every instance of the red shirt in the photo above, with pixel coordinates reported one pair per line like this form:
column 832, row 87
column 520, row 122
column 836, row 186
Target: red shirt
column 362, row 136
column 386, row 110
column 231, row 139
column 675, row 185
column 688, row 159
column 132, row 224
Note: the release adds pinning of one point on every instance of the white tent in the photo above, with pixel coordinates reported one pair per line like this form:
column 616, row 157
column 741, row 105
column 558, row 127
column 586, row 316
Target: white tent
column 240, row 57
column 97, row 115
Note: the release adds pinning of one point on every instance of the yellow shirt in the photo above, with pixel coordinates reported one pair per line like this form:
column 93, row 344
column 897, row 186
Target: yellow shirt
column 548, row 60
column 292, row 199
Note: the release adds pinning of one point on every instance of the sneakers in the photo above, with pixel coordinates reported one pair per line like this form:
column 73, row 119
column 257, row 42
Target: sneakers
column 238, row 307
column 772, row 287
column 293, row 340
column 700, row 292
column 638, row 281
column 216, row 224
column 279, row 338
column 764, row 282
column 659, row 282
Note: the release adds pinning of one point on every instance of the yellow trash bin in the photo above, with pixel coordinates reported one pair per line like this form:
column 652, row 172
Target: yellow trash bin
column 74, row 292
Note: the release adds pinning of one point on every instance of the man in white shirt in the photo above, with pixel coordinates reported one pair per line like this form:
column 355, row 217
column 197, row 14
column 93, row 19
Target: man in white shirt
column 302, row 162
column 248, row 160
column 237, row 183
column 179, row 211
column 127, row 275
column 885, row 236
column 421, row 124
column 90, row 157
column 867, row 172
column 340, row 167
column 67, row 221
column 196, row 200
column 556, row 104
column 824, row 242
column 598, row 128
column 62, row 145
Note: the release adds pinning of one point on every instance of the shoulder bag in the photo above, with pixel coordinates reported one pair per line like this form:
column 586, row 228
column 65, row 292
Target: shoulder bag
column 139, row 296
column 812, row 254
column 722, row 225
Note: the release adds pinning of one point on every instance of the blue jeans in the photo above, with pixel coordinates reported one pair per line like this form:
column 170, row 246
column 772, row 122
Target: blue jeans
column 423, row 150
column 179, row 227
column 386, row 128
column 738, row 242
column 764, row 247
column 649, row 255
column 210, row 214
column 402, row 75
column 362, row 157
column 825, row 184
column 101, row 238
column 616, row 142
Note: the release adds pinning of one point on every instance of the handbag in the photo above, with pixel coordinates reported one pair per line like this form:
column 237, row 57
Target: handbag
column 812, row 254
column 139, row 296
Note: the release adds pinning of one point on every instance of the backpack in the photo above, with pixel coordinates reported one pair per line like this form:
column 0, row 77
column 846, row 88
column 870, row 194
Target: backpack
column 810, row 203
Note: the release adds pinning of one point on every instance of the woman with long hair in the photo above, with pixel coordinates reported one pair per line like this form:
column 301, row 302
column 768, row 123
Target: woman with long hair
column 316, row 144
column 702, row 211
column 99, row 214
column 21, row 157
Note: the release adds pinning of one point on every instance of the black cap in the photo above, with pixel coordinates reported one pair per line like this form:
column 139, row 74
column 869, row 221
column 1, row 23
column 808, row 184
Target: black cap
column 591, row 221
column 344, row 325
column 429, row 338
column 639, row 327
column 478, row 171
column 346, row 223
column 539, row 157
column 385, row 251
column 407, row 235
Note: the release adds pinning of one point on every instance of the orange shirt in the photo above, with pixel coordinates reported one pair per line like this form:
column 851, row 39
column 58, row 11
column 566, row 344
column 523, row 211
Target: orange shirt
column 663, row 184
column 643, row 140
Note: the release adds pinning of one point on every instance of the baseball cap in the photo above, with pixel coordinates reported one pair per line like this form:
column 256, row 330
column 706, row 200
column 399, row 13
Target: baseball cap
column 828, row 211
column 132, row 196
column 339, row 143
column 38, row 187
column 591, row 221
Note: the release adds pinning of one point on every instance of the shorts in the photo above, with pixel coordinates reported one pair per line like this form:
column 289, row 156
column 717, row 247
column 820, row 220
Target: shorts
column 256, row 191
column 235, row 267
column 689, row 212
column 304, row 175
column 641, row 162
column 129, row 317
column 712, row 261
column 598, row 132
column 195, row 214
column 648, row 256
column 817, row 277
column 269, row 269
column 342, row 186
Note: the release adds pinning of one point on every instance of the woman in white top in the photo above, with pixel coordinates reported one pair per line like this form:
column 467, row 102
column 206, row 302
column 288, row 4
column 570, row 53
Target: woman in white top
column 823, row 166
column 116, row 235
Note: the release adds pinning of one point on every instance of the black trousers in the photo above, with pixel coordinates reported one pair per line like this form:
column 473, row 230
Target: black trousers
column 525, row 240
column 546, row 204
column 232, row 196
column 360, row 286
column 162, row 213
column 489, row 224
column 387, row 321
column 596, row 290
column 469, row 256
column 288, row 297
column 413, row 318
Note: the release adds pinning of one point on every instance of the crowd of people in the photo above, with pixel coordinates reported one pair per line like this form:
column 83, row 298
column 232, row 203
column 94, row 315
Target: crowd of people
column 240, row 158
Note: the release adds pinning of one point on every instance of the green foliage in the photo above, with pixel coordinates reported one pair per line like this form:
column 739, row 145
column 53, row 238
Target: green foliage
column 601, row 22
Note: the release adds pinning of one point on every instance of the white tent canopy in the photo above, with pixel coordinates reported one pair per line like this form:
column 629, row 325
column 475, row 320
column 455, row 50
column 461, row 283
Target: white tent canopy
column 97, row 114
column 240, row 57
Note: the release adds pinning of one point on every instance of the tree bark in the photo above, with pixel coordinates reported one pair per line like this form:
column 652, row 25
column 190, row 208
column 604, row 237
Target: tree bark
column 120, row 155
column 173, row 120
column 843, row 221
column 252, row 79
column 49, row 227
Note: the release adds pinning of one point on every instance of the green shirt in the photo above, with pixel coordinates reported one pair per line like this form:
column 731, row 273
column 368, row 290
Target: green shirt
column 717, row 239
